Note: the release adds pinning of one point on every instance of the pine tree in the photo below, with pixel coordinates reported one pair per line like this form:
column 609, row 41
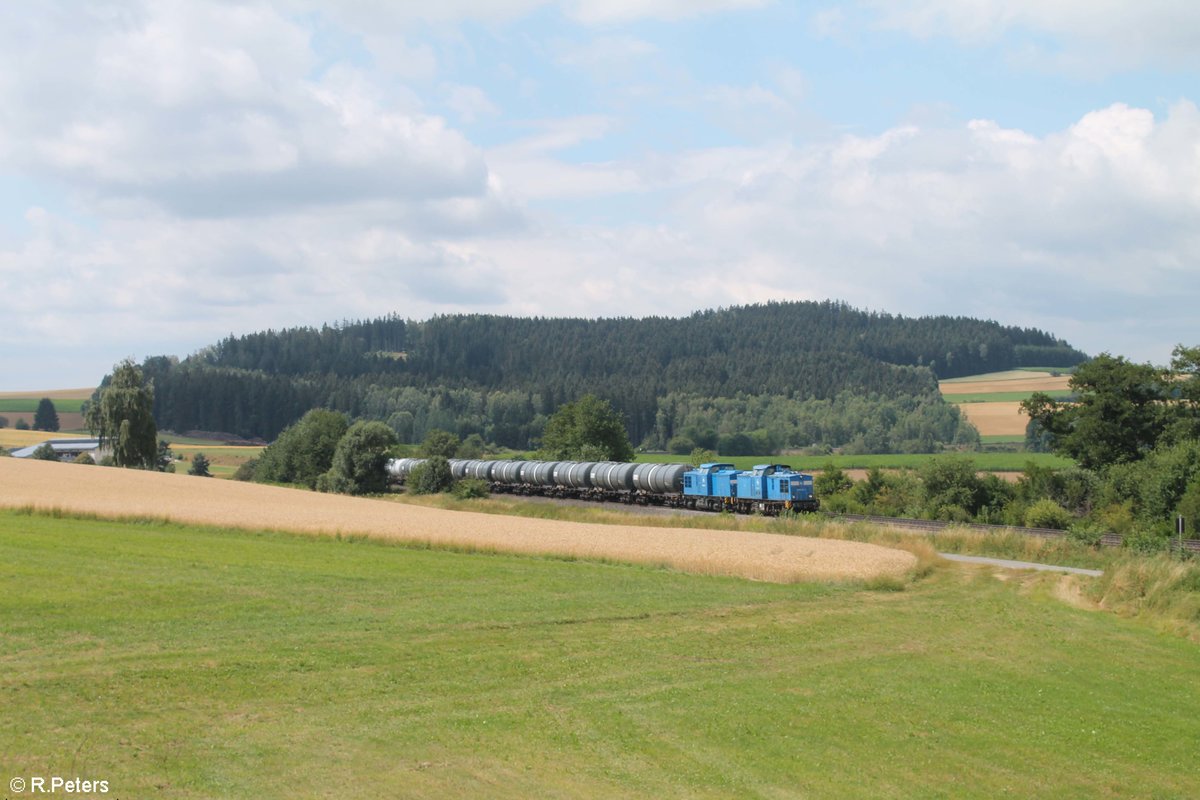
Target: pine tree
column 46, row 416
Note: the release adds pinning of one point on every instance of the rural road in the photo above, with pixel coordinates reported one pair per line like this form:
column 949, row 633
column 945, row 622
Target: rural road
column 1003, row 562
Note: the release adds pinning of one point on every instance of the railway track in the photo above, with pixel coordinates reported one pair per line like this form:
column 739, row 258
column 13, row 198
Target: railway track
column 932, row 526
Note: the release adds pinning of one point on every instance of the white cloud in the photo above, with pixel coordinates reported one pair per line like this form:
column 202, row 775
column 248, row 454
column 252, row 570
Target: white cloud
column 1095, row 34
column 612, row 11
column 1090, row 232
column 387, row 14
column 211, row 109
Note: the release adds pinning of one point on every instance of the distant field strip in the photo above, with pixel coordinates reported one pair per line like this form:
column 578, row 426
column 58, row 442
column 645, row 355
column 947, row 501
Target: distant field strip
column 30, row 404
column 13, row 438
column 129, row 493
column 1023, row 384
column 1003, row 397
column 53, row 394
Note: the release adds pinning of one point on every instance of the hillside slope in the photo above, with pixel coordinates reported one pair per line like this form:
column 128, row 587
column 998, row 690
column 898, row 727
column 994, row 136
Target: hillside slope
column 496, row 375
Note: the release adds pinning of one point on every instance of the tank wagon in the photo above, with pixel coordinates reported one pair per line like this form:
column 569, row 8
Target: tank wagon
column 766, row 489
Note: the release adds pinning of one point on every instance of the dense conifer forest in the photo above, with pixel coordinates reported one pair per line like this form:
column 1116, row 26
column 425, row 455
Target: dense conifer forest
column 790, row 374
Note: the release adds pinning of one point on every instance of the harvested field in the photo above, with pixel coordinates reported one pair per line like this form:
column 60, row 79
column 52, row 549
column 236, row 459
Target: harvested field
column 67, row 421
column 53, row 394
column 181, row 498
column 1024, row 383
column 993, row 419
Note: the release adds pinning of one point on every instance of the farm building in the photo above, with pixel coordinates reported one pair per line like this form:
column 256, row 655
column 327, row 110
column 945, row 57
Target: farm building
column 65, row 449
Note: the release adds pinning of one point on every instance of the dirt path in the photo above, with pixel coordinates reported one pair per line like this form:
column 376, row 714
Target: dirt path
column 181, row 498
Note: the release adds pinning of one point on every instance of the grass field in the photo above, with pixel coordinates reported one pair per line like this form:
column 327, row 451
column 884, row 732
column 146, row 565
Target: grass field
column 194, row 663
column 1009, row 438
column 30, row 404
column 224, row 460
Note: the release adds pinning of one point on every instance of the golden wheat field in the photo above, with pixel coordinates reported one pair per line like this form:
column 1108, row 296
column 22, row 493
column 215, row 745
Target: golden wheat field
column 112, row 492
column 996, row 419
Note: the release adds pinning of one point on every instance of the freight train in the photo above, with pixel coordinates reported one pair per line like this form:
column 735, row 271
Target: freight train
column 766, row 489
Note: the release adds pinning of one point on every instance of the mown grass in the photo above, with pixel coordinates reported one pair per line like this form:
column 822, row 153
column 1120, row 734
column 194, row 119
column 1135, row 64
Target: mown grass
column 185, row 662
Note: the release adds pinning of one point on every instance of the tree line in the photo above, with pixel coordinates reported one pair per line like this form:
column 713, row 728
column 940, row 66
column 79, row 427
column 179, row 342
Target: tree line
column 502, row 377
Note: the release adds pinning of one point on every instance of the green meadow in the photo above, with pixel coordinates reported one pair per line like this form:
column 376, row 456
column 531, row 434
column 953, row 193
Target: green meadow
column 186, row 662
column 30, row 404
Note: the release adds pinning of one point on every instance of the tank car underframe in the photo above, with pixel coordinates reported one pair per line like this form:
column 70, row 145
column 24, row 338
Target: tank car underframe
column 767, row 508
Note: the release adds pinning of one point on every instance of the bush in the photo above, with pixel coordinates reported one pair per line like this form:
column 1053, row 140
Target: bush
column 246, row 471
column 1046, row 513
column 439, row 443
column 360, row 460
column 86, row 459
column 334, row 483
column 199, row 466
column 22, row 425
column 470, row 488
column 472, row 447
column 1147, row 541
column 45, row 453
column 831, row 480
column 680, row 445
column 303, row 451
column 431, row 477
column 1086, row 533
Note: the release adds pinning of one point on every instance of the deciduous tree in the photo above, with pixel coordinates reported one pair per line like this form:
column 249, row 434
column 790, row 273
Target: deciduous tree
column 360, row 460
column 122, row 415
column 1119, row 412
column 586, row 430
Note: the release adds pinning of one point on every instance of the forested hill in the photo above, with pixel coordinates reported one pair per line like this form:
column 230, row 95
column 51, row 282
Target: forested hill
column 258, row 383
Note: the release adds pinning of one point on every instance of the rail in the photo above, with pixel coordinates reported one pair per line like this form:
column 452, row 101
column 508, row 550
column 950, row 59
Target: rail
column 933, row 525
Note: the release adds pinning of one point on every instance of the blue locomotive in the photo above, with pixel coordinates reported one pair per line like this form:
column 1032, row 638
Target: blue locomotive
column 766, row 489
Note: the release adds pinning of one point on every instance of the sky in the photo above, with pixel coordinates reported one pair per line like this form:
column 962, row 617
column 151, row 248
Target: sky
column 173, row 172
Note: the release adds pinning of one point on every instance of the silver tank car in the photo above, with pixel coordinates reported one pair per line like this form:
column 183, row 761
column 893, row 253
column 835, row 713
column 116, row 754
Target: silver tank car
column 574, row 474
column 399, row 468
column 659, row 478
column 613, row 476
